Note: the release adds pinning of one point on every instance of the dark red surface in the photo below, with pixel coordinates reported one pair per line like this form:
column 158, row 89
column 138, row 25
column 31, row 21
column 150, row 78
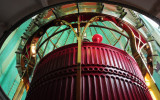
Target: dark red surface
column 108, row 73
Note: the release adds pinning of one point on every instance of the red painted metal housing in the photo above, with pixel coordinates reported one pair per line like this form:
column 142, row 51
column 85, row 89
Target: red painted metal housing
column 108, row 73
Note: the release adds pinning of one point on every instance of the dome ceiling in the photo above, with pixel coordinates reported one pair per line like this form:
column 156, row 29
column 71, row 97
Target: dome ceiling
column 13, row 11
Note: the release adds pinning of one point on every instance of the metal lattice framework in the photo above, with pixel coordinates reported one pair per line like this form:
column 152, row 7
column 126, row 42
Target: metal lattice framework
column 59, row 35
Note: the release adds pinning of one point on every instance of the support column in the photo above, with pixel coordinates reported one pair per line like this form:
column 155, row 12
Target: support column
column 78, row 81
column 78, row 84
column 152, row 87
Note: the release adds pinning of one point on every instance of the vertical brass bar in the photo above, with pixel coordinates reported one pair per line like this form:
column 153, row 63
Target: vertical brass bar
column 79, row 28
column 78, row 81
column 78, row 84
column 79, row 50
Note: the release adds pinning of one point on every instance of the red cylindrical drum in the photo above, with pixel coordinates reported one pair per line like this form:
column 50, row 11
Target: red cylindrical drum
column 108, row 73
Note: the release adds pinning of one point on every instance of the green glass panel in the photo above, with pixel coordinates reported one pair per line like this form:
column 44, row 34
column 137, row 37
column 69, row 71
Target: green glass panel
column 8, row 71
